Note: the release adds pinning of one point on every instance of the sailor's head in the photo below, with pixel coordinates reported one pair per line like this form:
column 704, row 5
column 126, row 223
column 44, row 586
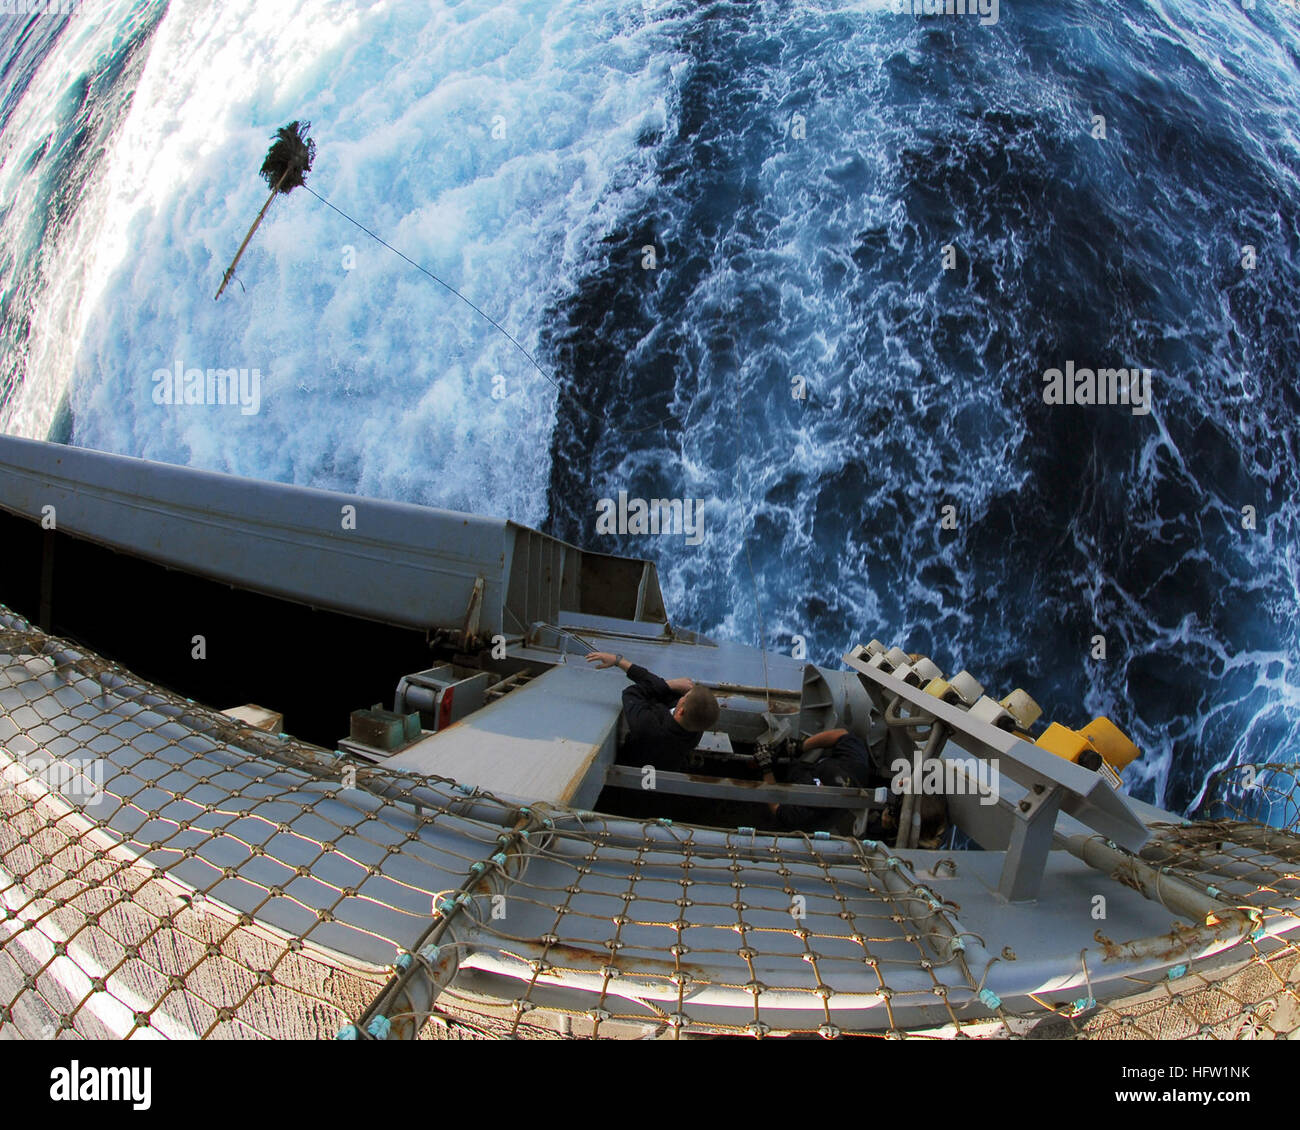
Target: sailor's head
column 934, row 820
column 696, row 710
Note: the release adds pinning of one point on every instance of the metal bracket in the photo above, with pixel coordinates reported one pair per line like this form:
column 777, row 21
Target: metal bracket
column 779, row 727
column 469, row 632
column 1031, row 840
column 1025, row 826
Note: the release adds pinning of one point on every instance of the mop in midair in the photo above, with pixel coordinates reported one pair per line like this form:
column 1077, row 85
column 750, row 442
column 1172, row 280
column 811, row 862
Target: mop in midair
column 287, row 164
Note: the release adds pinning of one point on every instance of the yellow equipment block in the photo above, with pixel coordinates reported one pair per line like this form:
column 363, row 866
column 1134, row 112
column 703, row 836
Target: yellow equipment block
column 1115, row 746
column 1063, row 742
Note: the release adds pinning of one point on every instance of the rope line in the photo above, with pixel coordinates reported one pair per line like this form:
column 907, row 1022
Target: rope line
column 425, row 270
column 478, row 310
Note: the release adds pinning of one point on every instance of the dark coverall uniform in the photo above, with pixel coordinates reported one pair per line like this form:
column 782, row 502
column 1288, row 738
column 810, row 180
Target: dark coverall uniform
column 846, row 765
column 654, row 736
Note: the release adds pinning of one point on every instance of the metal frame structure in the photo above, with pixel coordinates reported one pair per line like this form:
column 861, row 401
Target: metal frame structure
column 1023, row 826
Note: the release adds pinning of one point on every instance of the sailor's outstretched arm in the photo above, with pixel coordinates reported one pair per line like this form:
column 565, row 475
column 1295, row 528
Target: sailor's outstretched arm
column 823, row 740
column 666, row 691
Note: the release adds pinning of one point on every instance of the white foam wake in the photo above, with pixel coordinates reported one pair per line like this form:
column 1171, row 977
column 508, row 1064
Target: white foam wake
column 483, row 142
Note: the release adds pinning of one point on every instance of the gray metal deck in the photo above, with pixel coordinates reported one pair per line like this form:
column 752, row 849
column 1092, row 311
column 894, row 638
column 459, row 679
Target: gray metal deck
column 468, row 862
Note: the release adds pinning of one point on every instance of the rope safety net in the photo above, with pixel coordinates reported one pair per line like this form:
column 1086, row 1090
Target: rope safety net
column 167, row 871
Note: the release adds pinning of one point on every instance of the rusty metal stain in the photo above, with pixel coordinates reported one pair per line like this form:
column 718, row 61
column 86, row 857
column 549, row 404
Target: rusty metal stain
column 1176, row 944
column 705, row 779
column 582, row 959
column 1128, row 879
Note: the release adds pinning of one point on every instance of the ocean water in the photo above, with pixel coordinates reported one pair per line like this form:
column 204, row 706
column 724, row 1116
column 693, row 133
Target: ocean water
column 680, row 209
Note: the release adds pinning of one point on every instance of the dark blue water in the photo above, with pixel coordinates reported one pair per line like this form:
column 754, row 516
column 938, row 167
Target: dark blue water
column 1072, row 521
column 799, row 170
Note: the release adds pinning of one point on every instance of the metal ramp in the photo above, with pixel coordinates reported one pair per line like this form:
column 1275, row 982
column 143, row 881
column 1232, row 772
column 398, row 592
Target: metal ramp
column 549, row 740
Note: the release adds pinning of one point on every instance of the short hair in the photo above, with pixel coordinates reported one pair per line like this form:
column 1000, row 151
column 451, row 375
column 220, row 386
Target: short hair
column 934, row 820
column 933, row 813
column 699, row 709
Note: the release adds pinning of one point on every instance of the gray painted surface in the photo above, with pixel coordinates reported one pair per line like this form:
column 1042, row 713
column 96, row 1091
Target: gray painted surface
column 173, row 783
column 412, row 566
column 549, row 740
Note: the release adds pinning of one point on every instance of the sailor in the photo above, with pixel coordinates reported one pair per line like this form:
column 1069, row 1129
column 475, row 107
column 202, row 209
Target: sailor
column 934, row 821
column 847, row 764
column 664, row 718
